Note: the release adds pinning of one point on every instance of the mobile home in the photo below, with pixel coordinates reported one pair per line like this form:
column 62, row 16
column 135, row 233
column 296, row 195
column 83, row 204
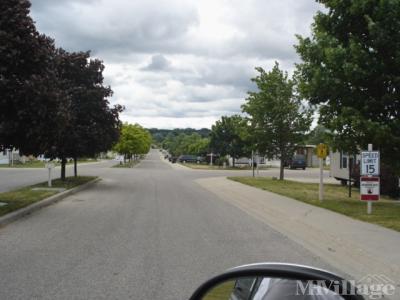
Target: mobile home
column 8, row 156
column 340, row 163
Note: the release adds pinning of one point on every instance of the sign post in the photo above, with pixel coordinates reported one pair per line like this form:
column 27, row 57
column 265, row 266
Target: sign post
column 49, row 167
column 322, row 152
column 369, row 180
column 252, row 161
column 258, row 163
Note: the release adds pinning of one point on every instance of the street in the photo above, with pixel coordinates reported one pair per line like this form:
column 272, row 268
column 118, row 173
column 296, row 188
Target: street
column 11, row 178
column 150, row 232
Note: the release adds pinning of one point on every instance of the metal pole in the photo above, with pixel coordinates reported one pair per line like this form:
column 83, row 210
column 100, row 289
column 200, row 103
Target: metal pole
column 49, row 181
column 350, row 166
column 258, row 164
column 369, row 203
column 321, row 180
column 252, row 161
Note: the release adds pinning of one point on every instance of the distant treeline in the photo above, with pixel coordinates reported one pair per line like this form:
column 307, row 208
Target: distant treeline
column 159, row 135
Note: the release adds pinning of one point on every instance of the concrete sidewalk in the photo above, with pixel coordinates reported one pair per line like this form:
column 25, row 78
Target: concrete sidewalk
column 355, row 247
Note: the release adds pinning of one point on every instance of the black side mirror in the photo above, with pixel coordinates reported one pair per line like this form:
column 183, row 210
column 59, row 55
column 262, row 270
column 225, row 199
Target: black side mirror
column 273, row 281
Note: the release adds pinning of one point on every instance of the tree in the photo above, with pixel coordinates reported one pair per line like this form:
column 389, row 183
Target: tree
column 93, row 126
column 32, row 108
column 278, row 119
column 351, row 68
column 160, row 136
column 134, row 140
column 199, row 146
column 179, row 142
column 227, row 137
column 320, row 134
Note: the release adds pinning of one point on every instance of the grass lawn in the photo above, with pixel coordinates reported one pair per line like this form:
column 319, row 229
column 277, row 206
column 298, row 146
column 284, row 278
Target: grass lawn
column 41, row 164
column 214, row 167
column 222, row 291
column 385, row 212
column 25, row 196
column 28, row 164
column 128, row 164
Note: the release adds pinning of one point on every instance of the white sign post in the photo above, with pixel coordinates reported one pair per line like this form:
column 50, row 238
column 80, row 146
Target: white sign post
column 322, row 153
column 49, row 167
column 369, row 181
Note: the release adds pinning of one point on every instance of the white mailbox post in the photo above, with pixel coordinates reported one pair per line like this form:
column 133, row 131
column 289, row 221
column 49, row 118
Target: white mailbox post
column 50, row 167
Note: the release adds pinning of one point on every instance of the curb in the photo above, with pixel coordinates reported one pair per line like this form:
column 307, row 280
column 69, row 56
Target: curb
column 15, row 215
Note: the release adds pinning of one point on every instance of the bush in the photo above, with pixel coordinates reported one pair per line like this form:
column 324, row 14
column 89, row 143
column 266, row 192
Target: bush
column 221, row 160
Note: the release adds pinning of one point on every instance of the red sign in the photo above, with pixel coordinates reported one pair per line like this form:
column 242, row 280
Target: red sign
column 369, row 188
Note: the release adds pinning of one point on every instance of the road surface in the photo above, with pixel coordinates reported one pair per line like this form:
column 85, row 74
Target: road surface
column 11, row 178
column 150, row 232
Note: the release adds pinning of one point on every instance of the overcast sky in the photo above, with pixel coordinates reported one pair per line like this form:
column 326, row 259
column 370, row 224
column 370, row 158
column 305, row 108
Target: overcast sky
column 179, row 63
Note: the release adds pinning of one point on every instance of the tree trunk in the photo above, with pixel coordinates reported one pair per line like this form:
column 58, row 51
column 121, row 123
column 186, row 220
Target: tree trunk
column 63, row 162
column 282, row 168
column 233, row 161
column 75, row 167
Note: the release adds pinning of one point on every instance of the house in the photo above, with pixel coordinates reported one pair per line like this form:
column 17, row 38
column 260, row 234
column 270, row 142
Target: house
column 309, row 152
column 8, row 156
column 340, row 165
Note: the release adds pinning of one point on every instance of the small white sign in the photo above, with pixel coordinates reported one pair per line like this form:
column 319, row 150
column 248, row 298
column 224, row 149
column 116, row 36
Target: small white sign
column 370, row 163
column 369, row 188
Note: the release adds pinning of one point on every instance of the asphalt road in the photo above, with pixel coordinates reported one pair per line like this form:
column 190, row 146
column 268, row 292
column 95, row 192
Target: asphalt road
column 11, row 178
column 149, row 232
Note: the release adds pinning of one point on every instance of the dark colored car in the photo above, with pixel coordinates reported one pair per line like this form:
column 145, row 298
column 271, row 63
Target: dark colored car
column 189, row 159
column 298, row 161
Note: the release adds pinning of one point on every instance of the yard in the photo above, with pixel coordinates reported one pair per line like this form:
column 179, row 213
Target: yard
column 25, row 196
column 386, row 212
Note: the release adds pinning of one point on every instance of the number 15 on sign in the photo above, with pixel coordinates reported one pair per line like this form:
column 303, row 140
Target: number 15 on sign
column 370, row 163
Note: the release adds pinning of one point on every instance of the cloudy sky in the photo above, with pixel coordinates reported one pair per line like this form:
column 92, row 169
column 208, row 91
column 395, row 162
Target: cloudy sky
column 179, row 63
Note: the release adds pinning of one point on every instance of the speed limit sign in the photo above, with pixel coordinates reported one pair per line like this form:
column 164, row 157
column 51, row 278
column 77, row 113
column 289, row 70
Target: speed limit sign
column 370, row 163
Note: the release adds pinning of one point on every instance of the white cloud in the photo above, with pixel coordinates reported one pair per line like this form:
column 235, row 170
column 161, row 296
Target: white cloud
column 178, row 63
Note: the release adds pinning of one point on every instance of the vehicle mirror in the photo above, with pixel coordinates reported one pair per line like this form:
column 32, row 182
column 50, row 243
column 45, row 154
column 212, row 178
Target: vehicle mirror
column 276, row 281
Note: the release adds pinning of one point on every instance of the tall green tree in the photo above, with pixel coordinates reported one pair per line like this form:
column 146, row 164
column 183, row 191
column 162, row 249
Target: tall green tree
column 134, row 140
column 184, row 143
column 228, row 137
column 278, row 118
column 94, row 126
column 320, row 134
column 351, row 69
column 32, row 106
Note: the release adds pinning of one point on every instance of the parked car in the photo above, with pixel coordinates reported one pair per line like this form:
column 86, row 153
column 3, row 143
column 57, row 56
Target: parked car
column 189, row 159
column 172, row 159
column 298, row 161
